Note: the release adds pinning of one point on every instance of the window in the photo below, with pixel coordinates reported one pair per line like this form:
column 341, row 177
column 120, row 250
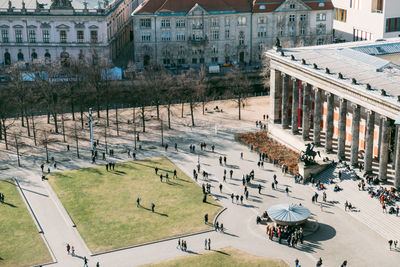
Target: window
column 166, row 36
column 261, row 46
column 214, row 60
column 321, row 29
column 181, row 61
column 46, row 36
column 227, row 22
column 33, row 55
column 262, row 20
column 241, row 20
column 321, row 17
column 262, row 32
column 47, row 57
column 146, row 37
column 145, row 23
column 291, row 31
column 303, row 17
column 80, row 36
column 292, row 18
column 292, row 6
column 180, row 23
column 4, row 35
column 201, row 60
column 20, row 56
column 393, row 25
column 241, row 38
column 340, row 14
column 262, row 7
column 227, row 34
column 93, row 37
column 63, row 36
column 214, row 50
column 32, row 36
column 214, row 22
column 194, row 60
column 181, row 51
column 197, row 35
column 18, row 36
column 302, row 31
column 320, row 41
column 166, row 53
column 166, row 61
column 197, row 24
column 180, row 36
column 215, row 35
column 165, row 23
column 281, row 31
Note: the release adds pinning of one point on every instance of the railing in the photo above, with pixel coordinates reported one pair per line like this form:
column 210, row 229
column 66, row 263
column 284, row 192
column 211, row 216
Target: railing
column 196, row 27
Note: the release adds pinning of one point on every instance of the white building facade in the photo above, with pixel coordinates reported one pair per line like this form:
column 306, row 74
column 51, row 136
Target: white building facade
column 357, row 20
column 64, row 29
column 170, row 32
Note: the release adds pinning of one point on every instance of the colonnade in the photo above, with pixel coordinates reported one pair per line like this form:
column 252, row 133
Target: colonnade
column 286, row 89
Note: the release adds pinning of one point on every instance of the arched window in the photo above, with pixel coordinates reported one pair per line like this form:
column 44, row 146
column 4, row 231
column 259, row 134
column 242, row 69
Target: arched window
column 33, row 56
column 20, row 56
column 7, row 58
column 64, row 59
column 47, row 57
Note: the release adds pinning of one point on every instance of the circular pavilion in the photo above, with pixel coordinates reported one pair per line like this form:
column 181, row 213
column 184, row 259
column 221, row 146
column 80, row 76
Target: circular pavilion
column 288, row 214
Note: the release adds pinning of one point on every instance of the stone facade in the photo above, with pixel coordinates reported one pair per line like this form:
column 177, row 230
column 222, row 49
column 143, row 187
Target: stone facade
column 63, row 29
column 211, row 33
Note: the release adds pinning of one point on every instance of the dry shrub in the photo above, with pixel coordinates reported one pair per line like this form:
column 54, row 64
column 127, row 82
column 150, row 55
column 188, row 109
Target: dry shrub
column 275, row 150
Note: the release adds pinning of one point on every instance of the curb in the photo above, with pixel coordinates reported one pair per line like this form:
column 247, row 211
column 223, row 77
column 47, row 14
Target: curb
column 152, row 242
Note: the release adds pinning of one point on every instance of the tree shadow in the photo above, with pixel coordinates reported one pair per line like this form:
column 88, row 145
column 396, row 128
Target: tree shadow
column 34, row 192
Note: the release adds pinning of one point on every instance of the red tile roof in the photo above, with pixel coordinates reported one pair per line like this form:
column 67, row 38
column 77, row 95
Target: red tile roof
column 154, row 6
column 271, row 5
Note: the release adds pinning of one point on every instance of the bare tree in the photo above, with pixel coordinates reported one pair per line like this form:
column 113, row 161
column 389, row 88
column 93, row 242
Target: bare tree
column 6, row 112
column 45, row 141
column 240, row 87
column 77, row 134
column 188, row 84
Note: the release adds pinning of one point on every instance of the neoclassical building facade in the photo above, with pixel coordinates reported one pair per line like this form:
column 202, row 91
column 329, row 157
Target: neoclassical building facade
column 175, row 32
column 62, row 28
column 342, row 95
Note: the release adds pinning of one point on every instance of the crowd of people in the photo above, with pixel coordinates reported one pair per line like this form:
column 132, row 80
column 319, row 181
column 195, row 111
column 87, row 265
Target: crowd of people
column 291, row 234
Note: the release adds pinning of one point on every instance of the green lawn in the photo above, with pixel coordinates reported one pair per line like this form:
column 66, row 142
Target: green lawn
column 103, row 204
column 223, row 257
column 20, row 242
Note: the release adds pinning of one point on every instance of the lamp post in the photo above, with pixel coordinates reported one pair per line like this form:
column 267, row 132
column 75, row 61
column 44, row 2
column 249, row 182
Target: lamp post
column 91, row 129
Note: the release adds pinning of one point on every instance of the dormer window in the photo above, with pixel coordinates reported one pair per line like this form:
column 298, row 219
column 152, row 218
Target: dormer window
column 262, row 7
column 321, row 4
column 292, row 6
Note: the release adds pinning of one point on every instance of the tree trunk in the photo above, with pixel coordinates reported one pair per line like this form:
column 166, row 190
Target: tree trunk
column 47, row 153
column 73, row 110
column 76, row 140
column 240, row 103
column 158, row 110
column 169, row 115
column 27, row 124
column 48, row 117
column 162, row 133
column 81, row 117
column 204, row 104
column 33, row 129
column 107, row 116
column 5, row 133
column 98, row 108
column 134, row 125
column 22, row 118
column 1, row 131
column 191, row 112
column 105, row 138
column 55, row 122
column 182, row 109
column 63, row 128
column 143, row 120
column 116, row 119
column 16, row 146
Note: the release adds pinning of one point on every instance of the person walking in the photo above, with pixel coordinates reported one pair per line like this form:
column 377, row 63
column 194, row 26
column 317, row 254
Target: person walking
column 179, row 244
column 209, row 244
column 296, row 263
column 156, row 170
column 259, row 189
column 205, row 244
column 176, row 147
column 152, row 207
column 85, row 262
column 175, row 176
column 97, row 264
column 231, row 173
column 68, row 248
column 220, row 188
column 72, row 251
column 287, row 191
column 319, row 263
column 344, row 264
column 138, row 202
column 232, row 197
column 206, row 218
column 42, row 166
column 390, row 244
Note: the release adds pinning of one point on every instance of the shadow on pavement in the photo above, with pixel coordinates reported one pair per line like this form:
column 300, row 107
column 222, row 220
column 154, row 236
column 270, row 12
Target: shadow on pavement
column 325, row 232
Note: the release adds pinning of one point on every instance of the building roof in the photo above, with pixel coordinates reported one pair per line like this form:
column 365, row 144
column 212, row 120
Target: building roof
column 358, row 60
column 262, row 6
column 183, row 6
column 31, row 4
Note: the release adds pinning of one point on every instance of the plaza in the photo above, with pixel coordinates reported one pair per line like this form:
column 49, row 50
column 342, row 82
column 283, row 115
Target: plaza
column 360, row 236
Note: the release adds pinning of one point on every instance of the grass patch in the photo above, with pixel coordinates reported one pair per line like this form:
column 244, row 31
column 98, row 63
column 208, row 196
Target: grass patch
column 224, row 257
column 20, row 242
column 103, row 204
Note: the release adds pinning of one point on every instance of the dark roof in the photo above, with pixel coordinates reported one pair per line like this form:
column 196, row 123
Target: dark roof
column 271, row 5
column 154, row 6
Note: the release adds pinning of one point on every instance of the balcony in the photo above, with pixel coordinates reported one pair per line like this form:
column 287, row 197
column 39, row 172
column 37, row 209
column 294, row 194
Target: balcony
column 197, row 26
column 199, row 41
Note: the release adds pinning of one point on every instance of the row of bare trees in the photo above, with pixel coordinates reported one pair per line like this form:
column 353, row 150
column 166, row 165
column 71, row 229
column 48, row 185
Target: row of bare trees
column 72, row 87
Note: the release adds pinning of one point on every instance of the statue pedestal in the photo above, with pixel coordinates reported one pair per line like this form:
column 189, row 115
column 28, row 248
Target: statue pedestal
column 276, row 48
column 315, row 169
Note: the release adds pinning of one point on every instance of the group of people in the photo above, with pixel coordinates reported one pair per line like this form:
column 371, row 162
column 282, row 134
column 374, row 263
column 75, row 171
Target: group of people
column 182, row 245
column 393, row 243
column 110, row 165
column 263, row 126
column 1, row 197
column 291, row 234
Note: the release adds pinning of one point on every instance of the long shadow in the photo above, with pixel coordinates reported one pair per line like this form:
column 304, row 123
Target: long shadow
column 9, row 204
column 152, row 167
column 221, row 252
column 298, row 198
column 212, row 204
column 173, row 183
column 232, row 166
column 268, row 195
column 7, row 181
column 162, row 214
column 119, row 172
column 249, row 206
column 219, row 196
column 256, row 200
column 192, row 252
column 233, row 184
column 77, row 256
column 226, row 233
column 40, row 194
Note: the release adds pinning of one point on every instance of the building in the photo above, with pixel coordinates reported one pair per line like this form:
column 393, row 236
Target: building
column 63, row 29
column 349, row 92
column 176, row 32
column 366, row 19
